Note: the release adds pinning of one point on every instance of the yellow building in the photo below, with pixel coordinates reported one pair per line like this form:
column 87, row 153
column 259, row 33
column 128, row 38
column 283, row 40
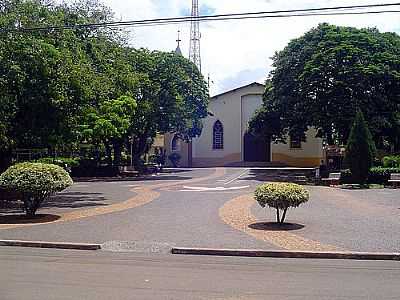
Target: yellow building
column 225, row 139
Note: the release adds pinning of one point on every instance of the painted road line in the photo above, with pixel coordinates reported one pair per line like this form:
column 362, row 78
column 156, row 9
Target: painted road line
column 212, row 189
column 237, row 177
column 145, row 194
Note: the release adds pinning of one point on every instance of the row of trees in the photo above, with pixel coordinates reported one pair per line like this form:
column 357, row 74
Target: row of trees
column 324, row 77
column 59, row 88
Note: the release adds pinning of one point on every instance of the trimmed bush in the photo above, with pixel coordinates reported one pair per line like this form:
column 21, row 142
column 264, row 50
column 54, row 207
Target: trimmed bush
column 281, row 196
column 35, row 182
column 65, row 162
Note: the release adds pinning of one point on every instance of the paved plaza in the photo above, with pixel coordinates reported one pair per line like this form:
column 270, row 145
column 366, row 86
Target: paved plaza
column 213, row 208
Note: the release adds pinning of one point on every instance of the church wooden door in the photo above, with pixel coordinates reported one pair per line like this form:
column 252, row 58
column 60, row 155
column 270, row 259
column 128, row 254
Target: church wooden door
column 256, row 149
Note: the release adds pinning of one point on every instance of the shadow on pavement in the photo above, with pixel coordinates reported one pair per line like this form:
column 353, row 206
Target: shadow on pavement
column 260, row 175
column 273, row 226
column 122, row 179
column 23, row 219
column 75, row 200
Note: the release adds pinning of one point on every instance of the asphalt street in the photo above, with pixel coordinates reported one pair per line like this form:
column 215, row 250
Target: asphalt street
column 186, row 214
column 180, row 216
column 57, row 274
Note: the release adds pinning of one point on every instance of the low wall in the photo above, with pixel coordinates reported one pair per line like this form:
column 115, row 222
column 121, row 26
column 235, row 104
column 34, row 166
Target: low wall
column 216, row 161
column 307, row 162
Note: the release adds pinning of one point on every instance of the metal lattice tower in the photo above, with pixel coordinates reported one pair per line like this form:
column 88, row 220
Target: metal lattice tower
column 194, row 50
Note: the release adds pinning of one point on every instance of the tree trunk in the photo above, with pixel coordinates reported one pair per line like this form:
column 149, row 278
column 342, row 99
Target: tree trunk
column 283, row 216
column 139, row 148
column 278, row 219
column 108, row 153
column 5, row 159
column 117, row 145
column 30, row 205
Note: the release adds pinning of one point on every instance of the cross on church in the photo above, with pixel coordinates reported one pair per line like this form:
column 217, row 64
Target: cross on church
column 178, row 40
column 178, row 48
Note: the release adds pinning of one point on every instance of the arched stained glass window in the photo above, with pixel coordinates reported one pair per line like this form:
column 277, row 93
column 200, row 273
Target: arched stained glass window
column 218, row 135
column 176, row 143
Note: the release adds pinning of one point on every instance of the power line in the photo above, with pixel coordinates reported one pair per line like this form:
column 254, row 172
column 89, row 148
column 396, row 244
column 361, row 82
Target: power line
column 323, row 11
column 264, row 17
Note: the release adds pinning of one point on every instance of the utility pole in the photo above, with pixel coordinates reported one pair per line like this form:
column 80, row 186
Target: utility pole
column 194, row 49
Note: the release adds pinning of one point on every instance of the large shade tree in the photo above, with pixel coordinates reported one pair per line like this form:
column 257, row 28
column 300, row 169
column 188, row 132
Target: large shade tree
column 47, row 76
column 322, row 78
column 172, row 97
column 57, row 86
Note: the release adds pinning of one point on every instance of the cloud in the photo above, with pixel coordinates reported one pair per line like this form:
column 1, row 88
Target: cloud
column 242, row 78
column 206, row 10
column 232, row 49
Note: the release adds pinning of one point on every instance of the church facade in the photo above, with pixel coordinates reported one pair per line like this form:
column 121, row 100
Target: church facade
column 225, row 140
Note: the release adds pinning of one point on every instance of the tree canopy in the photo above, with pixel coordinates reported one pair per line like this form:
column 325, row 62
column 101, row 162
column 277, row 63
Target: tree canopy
column 59, row 88
column 322, row 78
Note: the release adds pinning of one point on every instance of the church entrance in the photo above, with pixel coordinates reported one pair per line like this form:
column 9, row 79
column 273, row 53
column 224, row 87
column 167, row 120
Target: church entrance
column 256, row 149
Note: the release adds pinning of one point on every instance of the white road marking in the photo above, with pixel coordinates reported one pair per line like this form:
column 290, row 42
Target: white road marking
column 212, row 189
column 237, row 177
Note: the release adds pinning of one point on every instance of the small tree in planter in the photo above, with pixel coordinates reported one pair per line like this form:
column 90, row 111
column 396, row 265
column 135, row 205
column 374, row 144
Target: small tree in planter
column 35, row 182
column 281, row 196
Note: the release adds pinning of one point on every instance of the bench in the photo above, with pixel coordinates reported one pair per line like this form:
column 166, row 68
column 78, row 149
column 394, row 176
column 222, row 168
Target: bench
column 333, row 179
column 395, row 179
column 127, row 171
column 300, row 179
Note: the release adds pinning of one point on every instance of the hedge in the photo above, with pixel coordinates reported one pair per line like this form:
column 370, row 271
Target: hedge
column 391, row 161
column 381, row 175
column 64, row 162
column 377, row 175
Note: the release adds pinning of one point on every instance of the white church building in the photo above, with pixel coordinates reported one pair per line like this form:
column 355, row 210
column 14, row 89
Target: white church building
column 225, row 140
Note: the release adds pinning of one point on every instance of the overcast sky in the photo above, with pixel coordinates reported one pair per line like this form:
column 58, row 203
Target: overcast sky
column 235, row 53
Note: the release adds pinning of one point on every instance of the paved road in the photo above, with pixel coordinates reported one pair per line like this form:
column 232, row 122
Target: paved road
column 180, row 216
column 360, row 220
column 56, row 274
column 186, row 214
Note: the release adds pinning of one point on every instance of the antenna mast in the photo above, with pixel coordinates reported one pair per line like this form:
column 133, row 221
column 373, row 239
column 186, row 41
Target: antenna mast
column 194, row 50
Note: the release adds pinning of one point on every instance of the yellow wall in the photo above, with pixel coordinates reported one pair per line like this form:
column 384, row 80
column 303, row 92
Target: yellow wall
column 216, row 161
column 183, row 151
column 296, row 161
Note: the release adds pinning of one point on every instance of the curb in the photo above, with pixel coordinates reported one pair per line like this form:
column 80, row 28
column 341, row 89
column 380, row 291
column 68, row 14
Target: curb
column 287, row 254
column 57, row 245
